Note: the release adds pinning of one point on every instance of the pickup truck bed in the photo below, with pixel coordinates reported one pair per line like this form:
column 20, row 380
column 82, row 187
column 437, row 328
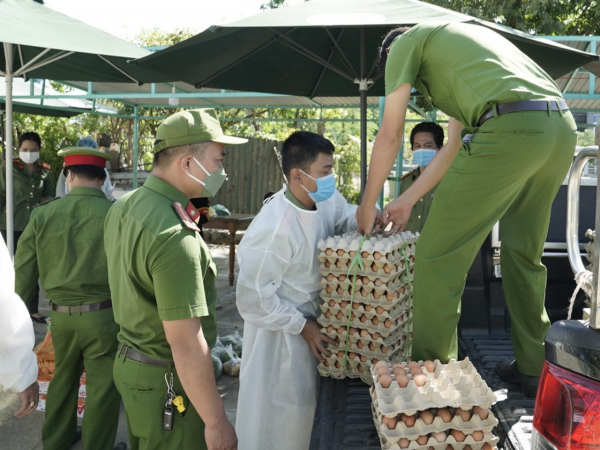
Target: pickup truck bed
column 343, row 420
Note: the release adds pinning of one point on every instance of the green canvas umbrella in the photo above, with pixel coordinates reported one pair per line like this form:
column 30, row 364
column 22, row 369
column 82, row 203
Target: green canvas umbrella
column 38, row 42
column 322, row 48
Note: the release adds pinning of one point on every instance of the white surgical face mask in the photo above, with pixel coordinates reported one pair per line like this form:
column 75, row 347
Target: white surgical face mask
column 29, row 157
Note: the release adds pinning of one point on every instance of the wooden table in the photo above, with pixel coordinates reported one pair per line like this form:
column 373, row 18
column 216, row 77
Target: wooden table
column 234, row 223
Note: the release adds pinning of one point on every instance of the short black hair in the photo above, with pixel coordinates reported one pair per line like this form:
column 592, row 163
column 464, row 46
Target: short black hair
column 166, row 156
column 301, row 149
column 86, row 171
column 428, row 127
column 30, row 136
column 387, row 41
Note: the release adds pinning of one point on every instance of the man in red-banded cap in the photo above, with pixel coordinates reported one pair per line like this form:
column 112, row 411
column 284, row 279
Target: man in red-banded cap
column 63, row 245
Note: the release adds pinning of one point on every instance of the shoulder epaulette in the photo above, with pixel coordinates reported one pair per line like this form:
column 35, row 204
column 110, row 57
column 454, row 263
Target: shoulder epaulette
column 16, row 160
column 46, row 202
column 46, row 166
column 407, row 174
column 185, row 218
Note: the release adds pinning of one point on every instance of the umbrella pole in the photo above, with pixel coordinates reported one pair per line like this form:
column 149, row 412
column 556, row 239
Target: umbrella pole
column 136, row 122
column 8, row 54
column 363, row 86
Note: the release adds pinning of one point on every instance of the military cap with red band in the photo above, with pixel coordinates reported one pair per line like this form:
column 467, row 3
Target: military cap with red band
column 75, row 156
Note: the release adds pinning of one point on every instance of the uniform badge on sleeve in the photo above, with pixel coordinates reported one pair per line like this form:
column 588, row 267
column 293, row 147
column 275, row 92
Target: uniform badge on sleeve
column 188, row 222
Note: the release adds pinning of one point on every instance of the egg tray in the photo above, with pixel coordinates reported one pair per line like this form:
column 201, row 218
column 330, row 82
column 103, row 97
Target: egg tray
column 368, row 259
column 454, row 384
column 373, row 299
column 398, row 334
column 359, row 309
column 373, row 276
column 450, row 442
column 366, row 353
column 420, row 428
column 367, row 325
column 370, row 286
column 378, row 243
column 355, row 369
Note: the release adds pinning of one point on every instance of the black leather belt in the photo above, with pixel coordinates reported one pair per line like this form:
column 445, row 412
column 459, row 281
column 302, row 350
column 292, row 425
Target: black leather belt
column 74, row 309
column 130, row 353
column 524, row 105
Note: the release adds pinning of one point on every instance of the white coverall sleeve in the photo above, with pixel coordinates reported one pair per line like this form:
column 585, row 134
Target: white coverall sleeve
column 264, row 258
column 345, row 214
column 18, row 363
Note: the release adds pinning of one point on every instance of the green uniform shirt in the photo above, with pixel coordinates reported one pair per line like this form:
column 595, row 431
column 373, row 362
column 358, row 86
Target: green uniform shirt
column 420, row 211
column 292, row 198
column 463, row 69
column 158, row 269
column 28, row 191
column 63, row 244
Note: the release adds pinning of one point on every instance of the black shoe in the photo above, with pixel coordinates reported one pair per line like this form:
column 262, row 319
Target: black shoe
column 77, row 436
column 508, row 371
column 121, row 446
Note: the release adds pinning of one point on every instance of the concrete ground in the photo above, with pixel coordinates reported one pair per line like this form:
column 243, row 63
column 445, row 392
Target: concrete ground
column 25, row 434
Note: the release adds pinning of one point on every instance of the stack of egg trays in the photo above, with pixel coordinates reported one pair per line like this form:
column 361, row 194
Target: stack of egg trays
column 455, row 385
column 375, row 288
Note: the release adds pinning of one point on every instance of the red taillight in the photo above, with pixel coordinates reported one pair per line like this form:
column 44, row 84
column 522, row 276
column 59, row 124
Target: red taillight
column 567, row 409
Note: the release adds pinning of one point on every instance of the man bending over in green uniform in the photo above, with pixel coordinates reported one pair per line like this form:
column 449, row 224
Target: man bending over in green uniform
column 63, row 244
column 162, row 279
column 518, row 143
column 425, row 140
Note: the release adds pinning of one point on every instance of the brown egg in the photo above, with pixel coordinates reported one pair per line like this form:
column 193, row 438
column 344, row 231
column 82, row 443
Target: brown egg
column 379, row 364
column 361, row 368
column 388, row 323
column 330, row 328
column 327, row 264
column 364, row 293
column 331, row 302
column 340, row 252
column 328, row 289
column 338, row 264
column 360, row 344
column 340, row 290
column 445, row 414
column 374, row 267
column 344, row 303
column 363, row 358
column 467, row 447
column 375, row 321
column 439, row 436
column 415, row 371
column 464, row 414
column 352, row 316
column 339, row 315
column 368, row 307
column 329, row 251
column 330, row 277
column 420, row 380
column 328, row 314
column 403, row 443
column 409, row 421
column 390, row 422
column 384, row 349
column 378, row 282
column 341, row 329
column 352, row 330
column 426, row 416
column 459, row 436
column 342, row 277
column 429, row 365
column 385, row 381
column 389, row 297
column 356, row 305
column 422, row 440
column 487, row 446
column 387, row 268
column 483, row 413
column 351, row 253
column 380, row 310
column 365, row 254
column 337, row 364
column 371, row 346
column 382, row 370
column 365, row 280
column 363, row 318
column 364, row 333
column 399, row 371
column 375, row 336
column 402, row 380
column 397, row 365
column 376, row 294
column 352, row 355
column 477, row 435
column 326, row 363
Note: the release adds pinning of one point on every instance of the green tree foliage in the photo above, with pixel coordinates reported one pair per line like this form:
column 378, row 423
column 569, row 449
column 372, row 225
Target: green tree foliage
column 544, row 17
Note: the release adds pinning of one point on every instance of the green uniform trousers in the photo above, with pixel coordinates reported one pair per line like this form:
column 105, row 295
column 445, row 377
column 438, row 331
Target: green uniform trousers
column 89, row 341
column 144, row 389
column 510, row 171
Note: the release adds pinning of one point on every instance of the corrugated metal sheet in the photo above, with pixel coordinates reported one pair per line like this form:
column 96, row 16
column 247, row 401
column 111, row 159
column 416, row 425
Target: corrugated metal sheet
column 253, row 170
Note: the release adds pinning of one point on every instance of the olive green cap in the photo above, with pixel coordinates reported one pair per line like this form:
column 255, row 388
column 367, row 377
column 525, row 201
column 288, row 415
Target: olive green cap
column 83, row 156
column 193, row 126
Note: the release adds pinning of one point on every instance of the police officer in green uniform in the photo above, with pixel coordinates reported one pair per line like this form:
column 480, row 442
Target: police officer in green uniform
column 32, row 184
column 63, row 245
column 162, row 279
column 425, row 140
column 518, row 140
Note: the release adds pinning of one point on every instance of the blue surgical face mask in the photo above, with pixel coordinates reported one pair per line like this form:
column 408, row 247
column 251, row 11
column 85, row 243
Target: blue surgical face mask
column 423, row 156
column 325, row 187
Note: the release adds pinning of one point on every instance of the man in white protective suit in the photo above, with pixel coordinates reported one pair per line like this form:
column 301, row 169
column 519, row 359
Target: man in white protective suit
column 278, row 297
column 18, row 364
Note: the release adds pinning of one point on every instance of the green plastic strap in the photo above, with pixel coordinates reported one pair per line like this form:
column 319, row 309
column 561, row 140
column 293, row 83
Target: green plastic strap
column 409, row 303
column 354, row 266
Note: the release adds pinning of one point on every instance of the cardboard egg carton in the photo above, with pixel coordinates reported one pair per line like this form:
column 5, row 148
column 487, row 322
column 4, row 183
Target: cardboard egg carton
column 382, row 274
column 364, row 336
column 384, row 327
column 456, row 384
column 377, row 258
column 370, row 351
column 420, row 428
column 334, row 308
column 449, row 442
column 363, row 282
